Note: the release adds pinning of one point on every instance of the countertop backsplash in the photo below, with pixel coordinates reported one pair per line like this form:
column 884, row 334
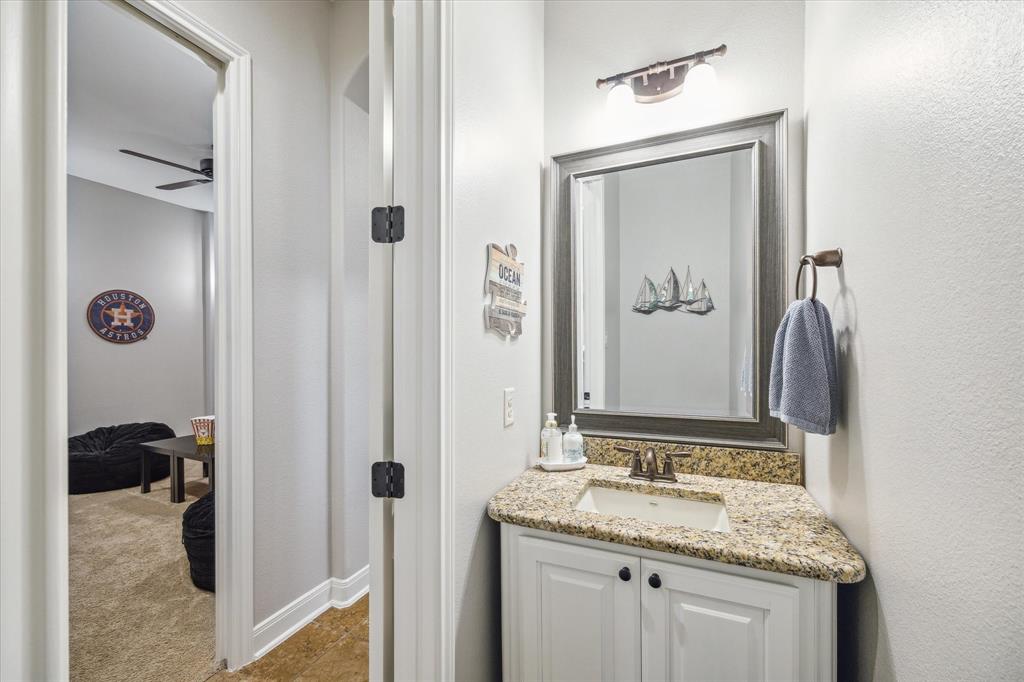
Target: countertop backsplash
column 752, row 465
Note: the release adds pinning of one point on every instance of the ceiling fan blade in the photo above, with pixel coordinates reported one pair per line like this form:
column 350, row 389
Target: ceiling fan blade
column 166, row 163
column 183, row 184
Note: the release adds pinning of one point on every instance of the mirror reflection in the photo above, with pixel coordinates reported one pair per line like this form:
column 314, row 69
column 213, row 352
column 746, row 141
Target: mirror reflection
column 665, row 270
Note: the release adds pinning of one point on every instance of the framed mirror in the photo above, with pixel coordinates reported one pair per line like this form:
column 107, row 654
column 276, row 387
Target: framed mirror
column 669, row 284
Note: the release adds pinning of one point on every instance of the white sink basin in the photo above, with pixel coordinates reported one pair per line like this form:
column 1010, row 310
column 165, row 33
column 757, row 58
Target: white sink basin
column 675, row 511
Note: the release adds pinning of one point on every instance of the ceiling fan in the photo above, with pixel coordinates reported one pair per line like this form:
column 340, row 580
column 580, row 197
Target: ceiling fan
column 205, row 169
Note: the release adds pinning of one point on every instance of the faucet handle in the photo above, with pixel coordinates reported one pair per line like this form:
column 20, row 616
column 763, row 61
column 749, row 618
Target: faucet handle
column 669, row 469
column 636, row 467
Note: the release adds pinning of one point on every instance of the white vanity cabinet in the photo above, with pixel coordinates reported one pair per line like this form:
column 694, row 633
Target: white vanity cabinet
column 702, row 625
column 579, row 609
column 577, row 597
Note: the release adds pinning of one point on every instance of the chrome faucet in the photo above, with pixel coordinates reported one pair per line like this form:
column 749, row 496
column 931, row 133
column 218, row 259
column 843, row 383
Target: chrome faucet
column 646, row 469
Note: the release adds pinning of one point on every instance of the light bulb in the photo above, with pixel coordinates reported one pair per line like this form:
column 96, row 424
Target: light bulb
column 620, row 98
column 701, row 83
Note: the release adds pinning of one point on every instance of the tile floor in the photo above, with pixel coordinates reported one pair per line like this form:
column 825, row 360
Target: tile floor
column 335, row 646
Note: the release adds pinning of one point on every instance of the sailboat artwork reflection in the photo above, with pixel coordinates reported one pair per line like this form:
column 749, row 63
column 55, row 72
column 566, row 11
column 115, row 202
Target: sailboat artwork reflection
column 672, row 295
column 703, row 304
column 647, row 298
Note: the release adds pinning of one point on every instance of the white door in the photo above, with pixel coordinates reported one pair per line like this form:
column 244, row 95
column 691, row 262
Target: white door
column 381, row 358
column 578, row 612
column 702, row 625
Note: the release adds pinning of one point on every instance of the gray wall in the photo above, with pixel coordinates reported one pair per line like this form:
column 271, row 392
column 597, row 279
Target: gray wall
column 290, row 47
column 674, row 215
column 496, row 165
column 350, row 245
column 121, row 240
column 915, row 134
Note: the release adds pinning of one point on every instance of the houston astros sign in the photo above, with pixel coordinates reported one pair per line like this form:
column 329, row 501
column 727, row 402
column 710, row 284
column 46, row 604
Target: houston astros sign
column 120, row 316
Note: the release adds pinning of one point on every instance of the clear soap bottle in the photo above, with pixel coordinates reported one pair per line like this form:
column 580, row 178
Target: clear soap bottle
column 551, row 440
column 572, row 443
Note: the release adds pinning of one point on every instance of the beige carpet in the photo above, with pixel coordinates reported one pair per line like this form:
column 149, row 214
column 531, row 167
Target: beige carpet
column 135, row 614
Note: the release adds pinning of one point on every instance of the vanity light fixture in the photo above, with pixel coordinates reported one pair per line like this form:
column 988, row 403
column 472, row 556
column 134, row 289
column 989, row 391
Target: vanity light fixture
column 662, row 80
column 620, row 97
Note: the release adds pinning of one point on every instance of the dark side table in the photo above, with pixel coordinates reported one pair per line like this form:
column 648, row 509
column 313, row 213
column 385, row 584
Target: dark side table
column 178, row 449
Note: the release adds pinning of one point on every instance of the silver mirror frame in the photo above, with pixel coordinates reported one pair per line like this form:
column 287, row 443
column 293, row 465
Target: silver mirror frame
column 766, row 135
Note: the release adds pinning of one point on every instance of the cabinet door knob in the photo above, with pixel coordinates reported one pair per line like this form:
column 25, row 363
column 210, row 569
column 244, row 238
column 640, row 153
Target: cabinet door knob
column 654, row 580
column 625, row 574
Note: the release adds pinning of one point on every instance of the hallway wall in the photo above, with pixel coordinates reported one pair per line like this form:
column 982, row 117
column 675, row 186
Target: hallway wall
column 290, row 47
column 350, row 244
column 915, row 135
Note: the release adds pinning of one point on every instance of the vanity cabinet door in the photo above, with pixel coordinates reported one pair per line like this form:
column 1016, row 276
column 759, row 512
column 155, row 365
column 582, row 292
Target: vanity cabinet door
column 578, row 612
column 703, row 625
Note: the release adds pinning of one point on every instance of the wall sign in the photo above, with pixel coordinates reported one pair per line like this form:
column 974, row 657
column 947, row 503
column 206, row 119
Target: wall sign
column 120, row 316
column 506, row 309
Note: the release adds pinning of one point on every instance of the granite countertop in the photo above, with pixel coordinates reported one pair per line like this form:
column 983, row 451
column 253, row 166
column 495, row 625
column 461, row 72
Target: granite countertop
column 774, row 527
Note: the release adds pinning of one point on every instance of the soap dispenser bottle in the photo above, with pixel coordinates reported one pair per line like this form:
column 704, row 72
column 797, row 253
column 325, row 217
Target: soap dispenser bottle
column 551, row 440
column 572, row 443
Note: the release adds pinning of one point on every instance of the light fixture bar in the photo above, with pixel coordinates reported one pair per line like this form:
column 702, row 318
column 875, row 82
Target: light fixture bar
column 661, row 67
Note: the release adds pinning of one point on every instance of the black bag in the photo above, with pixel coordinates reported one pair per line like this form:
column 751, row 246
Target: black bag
column 197, row 527
column 109, row 458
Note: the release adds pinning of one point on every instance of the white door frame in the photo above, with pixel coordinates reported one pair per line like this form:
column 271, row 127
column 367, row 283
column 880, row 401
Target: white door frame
column 33, row 364
column 33, row 460
column 233, row 343
column 421, row 272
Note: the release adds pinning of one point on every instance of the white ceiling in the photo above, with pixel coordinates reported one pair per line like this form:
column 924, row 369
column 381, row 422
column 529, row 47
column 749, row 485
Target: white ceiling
column 132, row 87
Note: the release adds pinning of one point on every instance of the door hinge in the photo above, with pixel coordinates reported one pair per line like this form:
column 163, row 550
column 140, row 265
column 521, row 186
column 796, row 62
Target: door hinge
column 387, row 479
column 387, row 224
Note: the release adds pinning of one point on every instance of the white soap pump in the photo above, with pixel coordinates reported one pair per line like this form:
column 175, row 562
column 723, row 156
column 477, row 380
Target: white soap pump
column 551, row 440
column 572, row 443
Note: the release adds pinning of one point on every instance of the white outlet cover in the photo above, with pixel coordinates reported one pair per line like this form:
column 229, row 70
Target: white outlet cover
column 508, row 415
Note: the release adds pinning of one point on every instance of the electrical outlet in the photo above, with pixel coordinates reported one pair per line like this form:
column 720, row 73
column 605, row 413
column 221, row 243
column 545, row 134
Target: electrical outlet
column 507, row 414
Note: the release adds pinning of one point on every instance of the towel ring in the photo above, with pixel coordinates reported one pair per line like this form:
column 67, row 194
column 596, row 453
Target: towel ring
column 814, row 279
column 830, row 258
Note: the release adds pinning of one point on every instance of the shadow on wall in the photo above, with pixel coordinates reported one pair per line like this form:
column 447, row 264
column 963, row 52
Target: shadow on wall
column 358, row 88
column 862, row 640
column 479, row 606
column 846, row 447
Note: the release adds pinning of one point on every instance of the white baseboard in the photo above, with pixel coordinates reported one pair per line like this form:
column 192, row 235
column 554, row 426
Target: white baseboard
column 347, row 591
column 286, row 622
column 331, row 593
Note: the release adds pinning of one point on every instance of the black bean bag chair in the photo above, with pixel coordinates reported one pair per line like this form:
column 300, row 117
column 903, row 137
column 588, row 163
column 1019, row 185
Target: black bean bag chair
column 197, row 536
column 109, row 458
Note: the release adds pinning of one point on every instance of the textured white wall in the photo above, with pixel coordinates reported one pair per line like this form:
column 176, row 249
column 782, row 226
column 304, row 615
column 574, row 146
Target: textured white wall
column 915, row 140
column 763, row 71
column 121, row 240
column 496, row 174
column 350, row 242
column 289, row 43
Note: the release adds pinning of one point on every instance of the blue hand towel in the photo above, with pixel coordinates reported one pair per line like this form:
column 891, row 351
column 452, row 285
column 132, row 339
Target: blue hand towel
column 804, row 385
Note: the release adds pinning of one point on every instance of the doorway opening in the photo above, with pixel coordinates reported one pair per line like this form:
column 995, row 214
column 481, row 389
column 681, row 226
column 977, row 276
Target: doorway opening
column 141, row 236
